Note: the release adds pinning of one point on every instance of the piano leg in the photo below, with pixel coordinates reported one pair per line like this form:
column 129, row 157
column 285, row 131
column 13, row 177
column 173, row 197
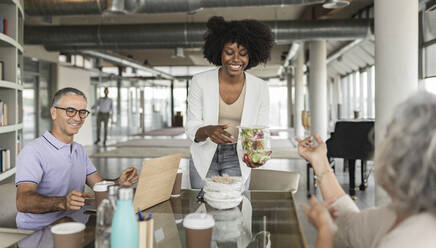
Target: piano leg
column 351, row 170
column 345, row 168
column 363, row 175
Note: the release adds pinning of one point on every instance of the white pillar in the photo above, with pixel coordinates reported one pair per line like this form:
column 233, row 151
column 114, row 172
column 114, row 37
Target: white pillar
column 330, row 100
column 369, row 85
column 363, row 112
column 299, row 93
column 396, row 59
column 344, row 84
column 318, row 88
column 350, row 96
column 289, row 79
column 337, row 97
column 355, row 83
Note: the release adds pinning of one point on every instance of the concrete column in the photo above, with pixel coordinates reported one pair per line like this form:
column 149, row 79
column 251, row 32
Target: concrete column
column 363, row 112
column 187, row 95
column 350, row 97
column 142, row 111
column 290, row 79
column 299, row 93
column 337, row 98
column 369, row 85
column 172, row 103
column 136, row 104
column 119, row 81
column 355, row 85
column 318, row 88
column 396, row 59
column 344, row 89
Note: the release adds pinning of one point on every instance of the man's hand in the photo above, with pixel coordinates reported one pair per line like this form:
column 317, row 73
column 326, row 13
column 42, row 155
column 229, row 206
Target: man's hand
column 128, row 177
column 75, row 200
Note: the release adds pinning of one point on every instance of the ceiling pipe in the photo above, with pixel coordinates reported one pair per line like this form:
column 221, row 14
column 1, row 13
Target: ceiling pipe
column 86, row 7
column 120, row 60
column 150, row 36
column 291, row 54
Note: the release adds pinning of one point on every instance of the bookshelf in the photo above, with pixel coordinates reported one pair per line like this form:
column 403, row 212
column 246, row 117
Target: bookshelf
column 11, row 88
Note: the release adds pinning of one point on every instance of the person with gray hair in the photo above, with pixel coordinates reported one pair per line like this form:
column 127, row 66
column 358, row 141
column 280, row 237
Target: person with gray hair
column 52, row 170
column 405, row 168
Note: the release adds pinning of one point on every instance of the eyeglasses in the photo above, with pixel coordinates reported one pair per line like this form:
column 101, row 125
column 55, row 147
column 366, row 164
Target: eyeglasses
column 71, row 112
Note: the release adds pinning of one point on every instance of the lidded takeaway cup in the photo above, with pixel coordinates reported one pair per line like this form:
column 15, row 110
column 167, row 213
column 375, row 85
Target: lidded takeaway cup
column 198, row 227
column 68, row 235
column 101, row 189
column 177, row 184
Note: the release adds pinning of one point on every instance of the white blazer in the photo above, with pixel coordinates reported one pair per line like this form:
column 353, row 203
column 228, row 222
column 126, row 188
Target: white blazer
column 203, row 110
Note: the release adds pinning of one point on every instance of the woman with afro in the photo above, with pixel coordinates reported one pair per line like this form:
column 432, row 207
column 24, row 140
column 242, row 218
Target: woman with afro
column 226, row 97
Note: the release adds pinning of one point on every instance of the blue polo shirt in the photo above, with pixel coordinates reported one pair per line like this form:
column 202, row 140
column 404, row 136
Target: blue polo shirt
column 56, row 170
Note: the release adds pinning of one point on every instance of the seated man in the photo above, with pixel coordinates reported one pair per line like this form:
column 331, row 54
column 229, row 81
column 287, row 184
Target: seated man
column 53, row 169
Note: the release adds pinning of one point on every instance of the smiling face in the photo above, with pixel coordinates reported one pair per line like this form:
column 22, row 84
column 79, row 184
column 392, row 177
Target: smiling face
column 68, row 126
column 234, row 59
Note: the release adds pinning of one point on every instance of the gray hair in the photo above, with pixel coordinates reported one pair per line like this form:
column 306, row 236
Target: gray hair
column 406, row 163
column 66, row 91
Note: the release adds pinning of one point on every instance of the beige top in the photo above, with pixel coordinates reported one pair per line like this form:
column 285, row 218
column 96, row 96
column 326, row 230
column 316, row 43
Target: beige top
column 232, row 113
column 370, row 228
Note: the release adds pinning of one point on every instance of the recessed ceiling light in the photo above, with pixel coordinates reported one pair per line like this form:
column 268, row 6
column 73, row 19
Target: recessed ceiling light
column 333, row 4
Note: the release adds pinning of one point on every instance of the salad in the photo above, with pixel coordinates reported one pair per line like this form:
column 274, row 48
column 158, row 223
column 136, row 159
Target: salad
column 255, row 143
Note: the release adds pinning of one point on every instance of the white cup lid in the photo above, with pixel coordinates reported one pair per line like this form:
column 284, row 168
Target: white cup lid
column 102, row 186
column 198, row 221
column 68, row 228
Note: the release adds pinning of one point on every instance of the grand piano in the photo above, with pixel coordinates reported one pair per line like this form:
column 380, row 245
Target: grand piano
column 351, row 140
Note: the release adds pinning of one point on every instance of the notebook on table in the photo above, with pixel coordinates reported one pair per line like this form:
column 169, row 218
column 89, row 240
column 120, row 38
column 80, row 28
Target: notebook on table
column 156, row 181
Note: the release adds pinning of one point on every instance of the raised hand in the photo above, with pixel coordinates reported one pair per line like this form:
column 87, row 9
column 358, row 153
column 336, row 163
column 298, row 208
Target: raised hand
column 312, row 152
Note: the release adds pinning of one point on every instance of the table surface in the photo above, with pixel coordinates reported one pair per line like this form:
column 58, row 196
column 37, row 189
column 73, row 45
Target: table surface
column 263, row 219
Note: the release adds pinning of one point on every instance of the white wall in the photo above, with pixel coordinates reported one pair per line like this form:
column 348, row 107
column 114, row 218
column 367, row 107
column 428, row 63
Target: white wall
column 79, row 79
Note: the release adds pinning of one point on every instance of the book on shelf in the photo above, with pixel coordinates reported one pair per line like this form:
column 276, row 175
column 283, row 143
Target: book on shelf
column 5, row 26
column 19, row 142
column 3, row 113
column 19, row 75
column 2, row 17
column 5, row 159
column 2, row 70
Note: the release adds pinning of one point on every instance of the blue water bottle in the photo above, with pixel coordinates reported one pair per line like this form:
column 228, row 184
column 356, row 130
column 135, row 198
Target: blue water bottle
column 124, row 233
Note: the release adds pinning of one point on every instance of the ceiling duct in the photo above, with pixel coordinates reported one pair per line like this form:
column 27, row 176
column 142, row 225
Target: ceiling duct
column 334, row 4
column 64, row 7
column 115, row 7
column 120, row 60
column 86, row 7
column 150, row 36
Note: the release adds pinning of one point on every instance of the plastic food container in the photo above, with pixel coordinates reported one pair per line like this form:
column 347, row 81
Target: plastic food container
column 256, row 143
column 223, row 204
column 236, row 185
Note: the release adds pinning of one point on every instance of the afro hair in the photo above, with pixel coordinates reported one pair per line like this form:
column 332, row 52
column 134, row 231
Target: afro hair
column 255, row 36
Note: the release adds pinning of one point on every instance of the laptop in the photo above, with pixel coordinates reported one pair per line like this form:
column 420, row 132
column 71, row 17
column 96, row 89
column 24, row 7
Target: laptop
column 156, row 181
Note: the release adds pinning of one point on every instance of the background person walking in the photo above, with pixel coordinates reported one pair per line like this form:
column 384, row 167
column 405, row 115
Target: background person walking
column 104, row 112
